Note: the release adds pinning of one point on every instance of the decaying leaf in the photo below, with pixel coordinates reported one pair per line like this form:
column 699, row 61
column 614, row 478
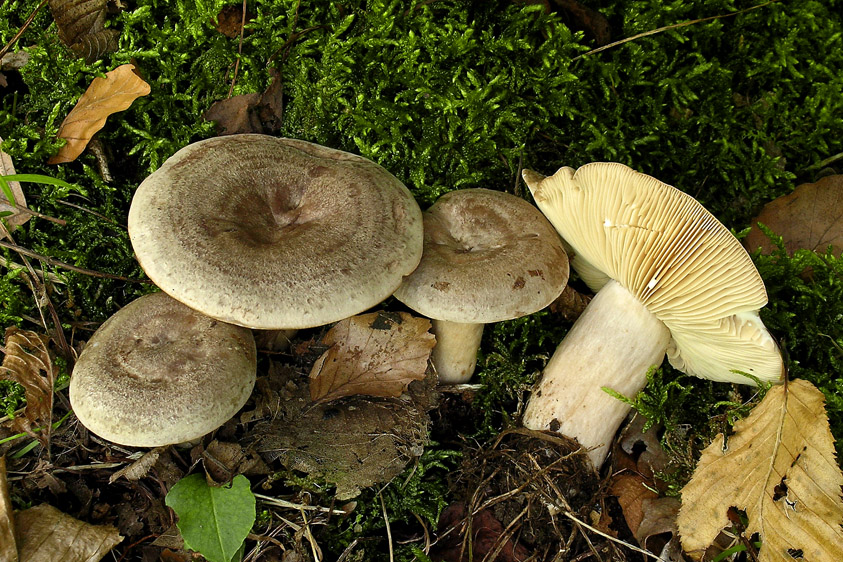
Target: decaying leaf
column 104, row 96
column 140, row 468
column 811, row 218
column 15, row 218
column 28, row 363
column 376, row 354
column 354, row 443
column 229, row 21
column 570, row 304
column 8, row 544
column 81, row 26
column 646, row 513
column 45, row 534
column 779, row 467
column 487, row 536
column 250, row 113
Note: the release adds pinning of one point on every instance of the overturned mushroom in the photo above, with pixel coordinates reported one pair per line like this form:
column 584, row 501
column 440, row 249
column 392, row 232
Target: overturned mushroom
column 158, row 373
column 488, row 257
column 670, row 279
column 273, row 233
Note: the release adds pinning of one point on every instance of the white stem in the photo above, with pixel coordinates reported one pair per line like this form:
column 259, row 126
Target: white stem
column 612, row 344
column 455, row 354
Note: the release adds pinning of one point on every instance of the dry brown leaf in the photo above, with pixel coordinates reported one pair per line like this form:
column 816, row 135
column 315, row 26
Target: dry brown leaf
column 45, row 534
column 377, row 354
column 81, row 26
column 16, row 218
column 28, row 363
column 104, row 96
column 250, row 113
column 8, row 544
column 138, row 469
column 779, row 467
column 811, row 217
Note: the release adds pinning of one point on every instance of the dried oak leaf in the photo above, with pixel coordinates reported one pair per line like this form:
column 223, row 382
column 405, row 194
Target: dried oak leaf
column 376, row 354
column 28, row 362
column 104, row 96
column 811, row 218
column 646, row 514
column 779, row 467
column 249, row 113
column 81, row 26
column 16, row 218
column 46, row 534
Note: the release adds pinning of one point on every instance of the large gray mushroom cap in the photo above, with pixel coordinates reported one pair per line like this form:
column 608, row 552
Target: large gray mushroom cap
column 158, row 373
column 488, row 257
column 273, row 233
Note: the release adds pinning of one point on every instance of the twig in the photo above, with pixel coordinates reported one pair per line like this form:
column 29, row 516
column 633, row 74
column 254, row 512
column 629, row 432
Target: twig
column 669, row 27
column 284, row 503
column 613, row 539
column 53, row 278
column 28, row 21
column 388, row 530
column 36, row 214
column 826, row 162
column 239, row 50
column 54, row 262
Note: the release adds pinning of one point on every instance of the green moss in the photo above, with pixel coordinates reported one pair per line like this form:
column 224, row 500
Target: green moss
column 420, row 491
column 453, row 94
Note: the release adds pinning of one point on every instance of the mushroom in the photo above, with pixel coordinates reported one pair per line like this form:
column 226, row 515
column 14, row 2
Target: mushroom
column 488, row 257
column 159, row 373
column 272, row 233
column 669, row 278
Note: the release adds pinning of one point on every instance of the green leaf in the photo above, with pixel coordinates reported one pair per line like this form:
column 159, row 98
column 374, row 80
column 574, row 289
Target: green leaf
column 213, row 521
column 36, row 178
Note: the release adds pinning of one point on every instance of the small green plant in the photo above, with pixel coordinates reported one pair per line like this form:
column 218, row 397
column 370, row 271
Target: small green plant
column 213, row 521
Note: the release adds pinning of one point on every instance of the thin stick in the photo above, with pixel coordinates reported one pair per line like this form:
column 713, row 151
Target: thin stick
column 239, row 50
column 388, row 530
column 613, row 539
column 669, row 27
column 28, row 21
column 284, row 503
column 54, row 262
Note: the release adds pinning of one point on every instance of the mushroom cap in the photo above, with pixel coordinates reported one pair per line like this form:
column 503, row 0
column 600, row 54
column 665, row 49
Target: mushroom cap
column 273, row 233
column 488, row 256
column 158, row 372
column 673, row 256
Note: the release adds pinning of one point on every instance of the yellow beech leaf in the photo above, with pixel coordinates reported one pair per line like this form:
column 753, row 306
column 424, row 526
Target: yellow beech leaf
column 104, row 96
column 779, row 467
column 377, row 354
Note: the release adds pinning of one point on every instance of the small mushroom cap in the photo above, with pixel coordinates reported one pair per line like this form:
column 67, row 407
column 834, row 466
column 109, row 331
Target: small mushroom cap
column 273, row 233
column 158, row 372
column 488, row 256
column 673, row 256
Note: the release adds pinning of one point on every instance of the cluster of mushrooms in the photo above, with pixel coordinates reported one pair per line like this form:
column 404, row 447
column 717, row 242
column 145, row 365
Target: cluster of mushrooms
column 252, row 232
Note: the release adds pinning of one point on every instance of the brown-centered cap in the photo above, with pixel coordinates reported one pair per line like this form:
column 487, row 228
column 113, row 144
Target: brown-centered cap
column 158, row 372
column 273, row 233
column 488, row 256
column 672, row 255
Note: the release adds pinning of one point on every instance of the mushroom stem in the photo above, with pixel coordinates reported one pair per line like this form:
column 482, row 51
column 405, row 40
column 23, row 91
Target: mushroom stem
column 455, row 354
column 613, row 344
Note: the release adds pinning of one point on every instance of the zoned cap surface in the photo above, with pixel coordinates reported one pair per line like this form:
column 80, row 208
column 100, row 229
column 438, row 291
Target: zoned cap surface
column 273, row 233
column 158, row 372
column 488, row 256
